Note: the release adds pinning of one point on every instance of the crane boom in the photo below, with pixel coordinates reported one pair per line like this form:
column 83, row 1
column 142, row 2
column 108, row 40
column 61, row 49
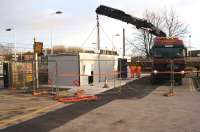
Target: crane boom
column 122, row 16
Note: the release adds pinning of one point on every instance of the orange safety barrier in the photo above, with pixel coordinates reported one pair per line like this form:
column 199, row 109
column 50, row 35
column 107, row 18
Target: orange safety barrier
column 77, row 99
column 169, row 72
column 113, row 73
column 76, row 83
column 77, row 74
column 50, row 82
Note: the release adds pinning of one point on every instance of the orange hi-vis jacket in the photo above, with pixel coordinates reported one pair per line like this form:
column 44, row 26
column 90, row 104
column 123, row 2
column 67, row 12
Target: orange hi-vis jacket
column 138, row 71
column 133, row 71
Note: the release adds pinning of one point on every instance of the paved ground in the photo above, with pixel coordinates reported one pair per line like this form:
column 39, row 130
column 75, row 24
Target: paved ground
column 139, row 107
column 97, row 87
column 17, row 107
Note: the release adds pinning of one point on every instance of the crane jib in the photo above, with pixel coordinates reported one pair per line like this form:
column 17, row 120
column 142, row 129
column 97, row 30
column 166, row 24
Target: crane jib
column 122, row 16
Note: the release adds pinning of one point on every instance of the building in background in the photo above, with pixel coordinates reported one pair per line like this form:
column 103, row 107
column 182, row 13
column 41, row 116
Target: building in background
column 28, row 56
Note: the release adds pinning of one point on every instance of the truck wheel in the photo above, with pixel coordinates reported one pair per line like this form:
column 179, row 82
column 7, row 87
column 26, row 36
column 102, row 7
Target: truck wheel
column 180, row 82
column 153, row 81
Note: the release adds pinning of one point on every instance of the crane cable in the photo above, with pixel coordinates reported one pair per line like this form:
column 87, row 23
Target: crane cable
column 133, row 44
column 86, row 40
column 108, row 38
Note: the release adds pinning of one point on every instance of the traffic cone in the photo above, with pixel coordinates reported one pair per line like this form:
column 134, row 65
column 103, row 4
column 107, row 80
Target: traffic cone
column 106, row 83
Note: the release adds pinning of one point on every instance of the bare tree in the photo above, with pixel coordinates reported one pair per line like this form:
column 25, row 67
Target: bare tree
column 173, row 26
column 59, row 49
column 6, row 50
column 74, row 50
column 168, row 21
column 143, row 39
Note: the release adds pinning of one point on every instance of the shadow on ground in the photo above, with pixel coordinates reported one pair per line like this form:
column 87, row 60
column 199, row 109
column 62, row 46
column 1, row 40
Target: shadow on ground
column 134, row 90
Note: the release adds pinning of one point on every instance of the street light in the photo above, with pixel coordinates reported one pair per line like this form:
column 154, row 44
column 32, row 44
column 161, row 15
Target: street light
column 58, row 12
column 94, row 44
column 55, row 13
column 9, row 30
column 115, row 35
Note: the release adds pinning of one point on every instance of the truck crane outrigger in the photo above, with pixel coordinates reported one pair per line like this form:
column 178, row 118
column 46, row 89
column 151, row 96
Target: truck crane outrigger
column 165, row 51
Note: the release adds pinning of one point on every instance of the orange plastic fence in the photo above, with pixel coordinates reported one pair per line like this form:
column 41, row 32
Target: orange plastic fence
column 76, row 83
column 50, row 82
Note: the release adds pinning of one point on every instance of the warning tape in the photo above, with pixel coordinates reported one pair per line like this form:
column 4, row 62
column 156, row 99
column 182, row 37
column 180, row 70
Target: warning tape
column 76, row 83
column 169, row 72
column 77, row 74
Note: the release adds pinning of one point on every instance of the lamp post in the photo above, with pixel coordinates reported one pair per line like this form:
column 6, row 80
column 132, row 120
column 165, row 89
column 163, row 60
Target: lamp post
column 190, row 48
column 115, row 35
column 55, row 13
column 9, row 30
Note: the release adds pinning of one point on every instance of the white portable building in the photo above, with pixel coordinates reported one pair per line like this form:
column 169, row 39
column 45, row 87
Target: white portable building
column 66, row 69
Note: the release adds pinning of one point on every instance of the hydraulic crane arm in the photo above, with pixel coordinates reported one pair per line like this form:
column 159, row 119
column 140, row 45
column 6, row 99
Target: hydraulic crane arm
column 139, row 23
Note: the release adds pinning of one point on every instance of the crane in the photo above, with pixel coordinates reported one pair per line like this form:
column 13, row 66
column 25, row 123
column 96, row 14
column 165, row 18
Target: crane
column 164, row 49
column 122, row 16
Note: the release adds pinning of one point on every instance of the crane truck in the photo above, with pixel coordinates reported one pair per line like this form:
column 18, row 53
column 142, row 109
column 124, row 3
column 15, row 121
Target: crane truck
column 168, row 54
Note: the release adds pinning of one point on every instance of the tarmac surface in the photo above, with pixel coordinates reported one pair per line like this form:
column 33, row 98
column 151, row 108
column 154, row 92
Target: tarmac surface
column 137, row 107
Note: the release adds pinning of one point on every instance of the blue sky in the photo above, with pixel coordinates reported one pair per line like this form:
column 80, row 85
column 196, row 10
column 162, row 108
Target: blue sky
column 36, row 18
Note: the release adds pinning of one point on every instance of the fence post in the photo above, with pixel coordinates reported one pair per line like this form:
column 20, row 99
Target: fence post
column 36, row 69
column 33, row 74
column 120, row 75
column 9, row 75
column 56, row 76
column 172, row 76
column 23, row 76
column 114, row 71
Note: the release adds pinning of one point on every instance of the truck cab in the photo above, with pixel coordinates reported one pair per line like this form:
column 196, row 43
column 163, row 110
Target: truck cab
column 168, row 57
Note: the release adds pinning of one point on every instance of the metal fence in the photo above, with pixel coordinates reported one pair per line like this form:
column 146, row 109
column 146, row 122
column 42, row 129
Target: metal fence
column 18, row 74
column 68, row 74
column 85, row 74
column 73, row 73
